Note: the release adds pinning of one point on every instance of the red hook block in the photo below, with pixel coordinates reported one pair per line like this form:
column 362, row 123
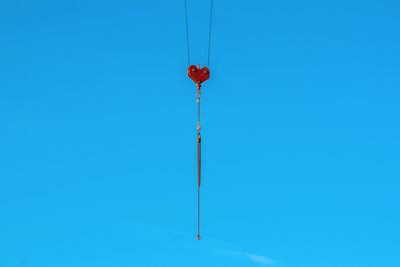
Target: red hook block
column 198, row 75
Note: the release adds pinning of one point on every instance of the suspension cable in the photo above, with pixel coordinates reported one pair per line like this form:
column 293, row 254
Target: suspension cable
column 187, row 33
column 209, row 34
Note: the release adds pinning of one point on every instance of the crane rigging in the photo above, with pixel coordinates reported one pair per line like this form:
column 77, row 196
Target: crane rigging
column 198, row 75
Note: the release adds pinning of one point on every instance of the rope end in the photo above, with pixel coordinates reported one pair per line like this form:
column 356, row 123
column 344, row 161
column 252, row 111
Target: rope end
column 198, row 237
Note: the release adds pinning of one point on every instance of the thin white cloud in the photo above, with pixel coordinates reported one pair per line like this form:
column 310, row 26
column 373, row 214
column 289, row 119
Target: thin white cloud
column 260, row 259
column 253, row 257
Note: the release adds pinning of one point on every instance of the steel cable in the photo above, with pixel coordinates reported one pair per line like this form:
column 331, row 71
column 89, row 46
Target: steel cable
column 187, row 33
column 209, row 33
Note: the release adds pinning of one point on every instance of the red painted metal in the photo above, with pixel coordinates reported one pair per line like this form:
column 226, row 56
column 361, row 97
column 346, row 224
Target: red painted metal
column 198, row 75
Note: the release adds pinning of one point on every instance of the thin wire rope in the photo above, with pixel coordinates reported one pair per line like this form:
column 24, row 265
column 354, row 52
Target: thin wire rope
column 187, row 33
column 209, row 34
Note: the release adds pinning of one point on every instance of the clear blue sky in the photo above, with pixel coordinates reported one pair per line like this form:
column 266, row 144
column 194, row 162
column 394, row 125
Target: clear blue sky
column 301, row 134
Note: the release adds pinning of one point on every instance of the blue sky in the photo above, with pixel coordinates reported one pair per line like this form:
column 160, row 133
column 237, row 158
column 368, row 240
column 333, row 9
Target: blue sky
column 300, row 134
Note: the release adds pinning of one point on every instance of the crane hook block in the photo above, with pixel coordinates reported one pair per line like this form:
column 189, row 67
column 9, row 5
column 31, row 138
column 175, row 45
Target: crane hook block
column 198, row 75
